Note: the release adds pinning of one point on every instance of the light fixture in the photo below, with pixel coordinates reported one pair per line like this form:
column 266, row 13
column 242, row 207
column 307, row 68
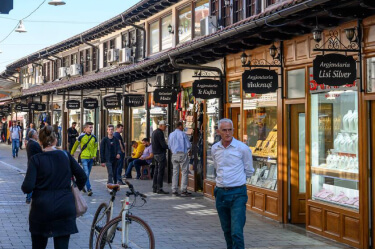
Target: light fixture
column 56, row 2
column 273, row 51
column 243, row 58
column 170, row 29
column 21, row 28
column 317, row 32
column 350, row 33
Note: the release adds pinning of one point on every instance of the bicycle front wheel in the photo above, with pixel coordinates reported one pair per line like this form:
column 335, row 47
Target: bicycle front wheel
column 101, row 218
column 140, row 234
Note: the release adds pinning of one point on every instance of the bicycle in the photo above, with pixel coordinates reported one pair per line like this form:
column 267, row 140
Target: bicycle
column 132, row 231
column 102, row 215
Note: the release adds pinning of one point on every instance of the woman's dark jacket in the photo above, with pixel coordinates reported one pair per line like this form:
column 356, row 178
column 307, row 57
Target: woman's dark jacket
column 48, row 176
column 32, row 148
column 105, row 149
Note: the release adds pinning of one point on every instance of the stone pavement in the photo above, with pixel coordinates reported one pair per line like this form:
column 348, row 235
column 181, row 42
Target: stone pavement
column 177, row 223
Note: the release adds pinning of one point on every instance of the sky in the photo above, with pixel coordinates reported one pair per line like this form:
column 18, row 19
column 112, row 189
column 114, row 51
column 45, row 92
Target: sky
column 51, row 24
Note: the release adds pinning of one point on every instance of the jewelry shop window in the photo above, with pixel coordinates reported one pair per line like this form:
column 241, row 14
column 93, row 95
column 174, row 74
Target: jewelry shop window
column 234, row 91
column 260, row 134
column 211, row 137
column 139, row 124
column 371, row 74
column 334, row 145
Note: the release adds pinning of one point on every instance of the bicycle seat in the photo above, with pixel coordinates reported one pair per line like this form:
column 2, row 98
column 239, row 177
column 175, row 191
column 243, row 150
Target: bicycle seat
column 112, row 186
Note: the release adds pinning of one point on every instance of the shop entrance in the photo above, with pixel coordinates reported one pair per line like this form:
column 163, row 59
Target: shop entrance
column 235, row 116
column 297, row 165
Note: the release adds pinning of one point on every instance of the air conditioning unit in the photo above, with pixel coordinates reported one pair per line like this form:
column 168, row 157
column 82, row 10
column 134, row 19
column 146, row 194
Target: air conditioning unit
column 39, row 80
column 113, row 55
column 126, row 55
column 63, row 72
column 75, row 69
column 208, row 25
column 164, row 79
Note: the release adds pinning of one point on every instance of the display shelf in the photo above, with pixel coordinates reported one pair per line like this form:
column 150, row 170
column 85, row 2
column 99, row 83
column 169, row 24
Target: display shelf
column 335, row 173
column 335, row 203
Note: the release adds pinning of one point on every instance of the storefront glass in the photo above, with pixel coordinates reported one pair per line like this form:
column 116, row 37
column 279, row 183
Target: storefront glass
column 260, row 134
column 234, row 91
column 211, row 137
column 158, row 112
column 334, row 146
column 115, row 117
column 371, row 74
column 138, row 123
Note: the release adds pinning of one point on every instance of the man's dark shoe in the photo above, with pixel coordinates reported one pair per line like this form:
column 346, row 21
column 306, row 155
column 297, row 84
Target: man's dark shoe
column 89, row 193
column 162, row 192
column 84, row 190
column 175, row 194
column 154, row 190
column 14, row 157
column 16, row 154
column 185, row 194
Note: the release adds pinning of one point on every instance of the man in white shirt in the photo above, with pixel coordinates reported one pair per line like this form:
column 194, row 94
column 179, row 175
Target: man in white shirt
column 15, row 136
column 233, row 163
column 179, row 144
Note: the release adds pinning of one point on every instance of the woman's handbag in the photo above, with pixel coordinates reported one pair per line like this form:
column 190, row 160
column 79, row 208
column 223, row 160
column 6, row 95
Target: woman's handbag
column 81, row 205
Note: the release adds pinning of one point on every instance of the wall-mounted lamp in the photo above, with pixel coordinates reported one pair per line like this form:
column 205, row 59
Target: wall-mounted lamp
column 244, row 58
column 170, row 29
column 350, row 34
column 317, row 32
column 273, row 51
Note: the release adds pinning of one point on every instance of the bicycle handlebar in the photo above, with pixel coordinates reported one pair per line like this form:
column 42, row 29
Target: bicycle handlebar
column 133, row 192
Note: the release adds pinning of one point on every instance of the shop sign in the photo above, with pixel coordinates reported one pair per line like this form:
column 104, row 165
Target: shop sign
column 134, row 100
column 90, row 103
column 73, row 104
column 112, row 102
column 259, row 81
column 18, row 107
column 207, row 89
column 165, row 96
column 37, row 107
column 6, row 108
column 25, row 108
column 334, row 69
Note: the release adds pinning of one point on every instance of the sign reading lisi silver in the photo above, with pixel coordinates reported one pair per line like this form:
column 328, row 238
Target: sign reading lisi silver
column 73, row 104
column 165, row 96
column 134, row 100
column 334, row 69
column 207, row 89
column 259, row 81
column 90, row 103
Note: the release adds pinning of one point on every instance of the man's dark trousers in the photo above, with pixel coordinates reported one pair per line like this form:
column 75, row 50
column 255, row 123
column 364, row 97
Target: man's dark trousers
column 231, row 207
column 161, row 161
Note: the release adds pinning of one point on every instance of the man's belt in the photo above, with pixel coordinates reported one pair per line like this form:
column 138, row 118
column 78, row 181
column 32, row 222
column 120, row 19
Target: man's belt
column 230, row 188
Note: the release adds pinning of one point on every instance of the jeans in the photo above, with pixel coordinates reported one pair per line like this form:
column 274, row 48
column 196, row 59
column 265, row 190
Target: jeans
column 87, row 166
column 161, row 161
column 137, row 163
column 112, row 171
column 180, row 160
column 15, row 146
column 120, row 163
column 231, row 207
column 40, row 242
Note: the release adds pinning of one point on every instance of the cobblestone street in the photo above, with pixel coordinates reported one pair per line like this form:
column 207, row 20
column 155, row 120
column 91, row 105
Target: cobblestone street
column 180, row 223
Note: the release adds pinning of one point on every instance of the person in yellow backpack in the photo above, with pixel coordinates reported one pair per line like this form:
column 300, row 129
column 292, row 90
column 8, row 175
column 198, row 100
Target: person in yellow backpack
column 89, row 148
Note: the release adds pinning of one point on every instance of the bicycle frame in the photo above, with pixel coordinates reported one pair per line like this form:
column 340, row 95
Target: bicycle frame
column 125, row 223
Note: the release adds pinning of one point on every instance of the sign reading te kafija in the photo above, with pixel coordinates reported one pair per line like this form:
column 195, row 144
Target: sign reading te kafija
column 112, row 102
column 259, row 81
column 207, row 89
column 165, row 96
column 37, row 107
column 90, row 103
column 334, row 69
column 73, row 104
column 134, row 100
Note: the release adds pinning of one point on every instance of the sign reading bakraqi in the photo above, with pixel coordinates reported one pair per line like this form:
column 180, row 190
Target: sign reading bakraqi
column 334, row 69
column 113, row 101
column 134, row 100
column 207, row 89
column 90, row 103
column 165, row 96
column 259, row 81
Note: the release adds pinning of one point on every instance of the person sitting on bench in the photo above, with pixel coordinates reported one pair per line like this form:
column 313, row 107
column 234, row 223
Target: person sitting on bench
column 145, row 159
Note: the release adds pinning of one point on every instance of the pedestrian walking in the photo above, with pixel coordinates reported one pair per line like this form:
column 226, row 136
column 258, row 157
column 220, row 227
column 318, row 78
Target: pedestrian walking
column 48, row 176
column 21, row 138
column 72, row 135
column 32, row 148
column 15, row 136
column 120, row 162
column 89, row 148
column 138, row 149
column 109, row 154
column 179, row 145
column 145, row 159
column 28, row 129
column 159, row 148
column 233, row 163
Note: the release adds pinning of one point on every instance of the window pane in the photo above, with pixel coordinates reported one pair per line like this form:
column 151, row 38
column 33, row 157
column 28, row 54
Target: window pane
column 184, row 24
column 234, row 95
column 334, row 146
column 211, row 136
column 138, row 123
column 166, row 37
column 202, row 8
column 154, row 37
column 296, row 83
column 371, row 74
column 301, row 153
column 260, row 134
